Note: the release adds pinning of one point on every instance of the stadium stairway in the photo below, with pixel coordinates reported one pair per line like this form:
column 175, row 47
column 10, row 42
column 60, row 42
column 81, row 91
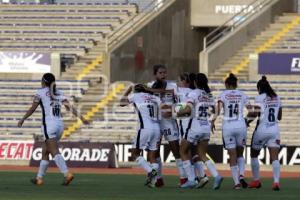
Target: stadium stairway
column 278, row 37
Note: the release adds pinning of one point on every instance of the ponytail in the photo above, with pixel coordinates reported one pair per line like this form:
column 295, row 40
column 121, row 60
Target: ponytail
column 263, row 86
column 231, row 80
column 202, row 82
column 49, row 80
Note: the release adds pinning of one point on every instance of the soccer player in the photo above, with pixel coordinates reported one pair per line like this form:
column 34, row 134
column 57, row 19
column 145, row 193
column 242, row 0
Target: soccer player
column 234, row 128
column 168, row 125
column 51, row 100
column 269, row 112
column 148, row 134
column 185, row 84
column 198, row 130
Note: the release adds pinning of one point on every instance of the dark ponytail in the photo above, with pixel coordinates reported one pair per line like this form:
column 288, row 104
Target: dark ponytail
column 49, row 80
column 202, row 82
column 192, row 77
column 231, row 80
column 189, row 78
column 263, row 86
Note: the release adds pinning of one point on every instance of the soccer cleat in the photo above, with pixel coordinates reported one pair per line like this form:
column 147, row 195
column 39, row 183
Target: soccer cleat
column 217, row 182
column 150, row 177
column 159, row 182
column 255, row 184
column 276, row 187
column 68, row 179
column 237, row 186
column 243, row 182
column 37, row 181
column 202, row 182
column 183, row 181
column 189, row 184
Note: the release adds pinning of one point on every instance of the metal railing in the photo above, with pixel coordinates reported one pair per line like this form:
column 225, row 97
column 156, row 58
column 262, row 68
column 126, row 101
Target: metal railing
column 234, row 22
column 127, row 27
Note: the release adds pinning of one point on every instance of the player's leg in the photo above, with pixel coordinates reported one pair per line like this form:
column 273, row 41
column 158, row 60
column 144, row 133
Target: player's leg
column 187, row 166
column 274, row 147
column 175, row 149
column 234, row 167
column 241, row 143
column 230, row 143
column 52, row 148
column 256, row 145
column 38, row 180
column 153, row 145
column 160, row 181
column 197, row 162
column 202, row 148
column 140, row 143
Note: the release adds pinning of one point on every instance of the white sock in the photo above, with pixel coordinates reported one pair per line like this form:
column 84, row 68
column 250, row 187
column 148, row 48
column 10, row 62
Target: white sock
column 189, row 170
column 241, row 164
column 199, row 167
column 276, row 171
column 181, row 171
column 235, row 174
column 255, row 169
column 154, row 166
column 61, row 164
column 144, row 164
column 212, row 168
column 159, row 170
column 43, row 168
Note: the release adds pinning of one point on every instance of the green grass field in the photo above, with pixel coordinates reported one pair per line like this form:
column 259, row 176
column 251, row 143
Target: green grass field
column 16, row 186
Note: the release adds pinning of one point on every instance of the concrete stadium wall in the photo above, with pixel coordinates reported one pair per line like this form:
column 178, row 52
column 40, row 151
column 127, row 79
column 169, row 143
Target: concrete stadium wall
column 227, row 47
column 167, row 39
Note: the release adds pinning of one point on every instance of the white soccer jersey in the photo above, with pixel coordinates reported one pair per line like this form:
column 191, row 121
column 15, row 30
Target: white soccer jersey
column 182, row 94
column 51, row 107
column 182, row 97
column 147, row 106
column 167, row 98
column 269, row 108
column 234, row 102
column 168, row 126
column 202, row 101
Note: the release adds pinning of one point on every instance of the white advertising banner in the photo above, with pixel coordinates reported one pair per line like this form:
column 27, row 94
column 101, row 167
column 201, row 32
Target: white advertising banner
column 25, row 62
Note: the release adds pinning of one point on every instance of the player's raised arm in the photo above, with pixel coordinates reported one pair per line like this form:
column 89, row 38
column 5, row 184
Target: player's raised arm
column 124, row 100
column 74, row 111
column 29, row 112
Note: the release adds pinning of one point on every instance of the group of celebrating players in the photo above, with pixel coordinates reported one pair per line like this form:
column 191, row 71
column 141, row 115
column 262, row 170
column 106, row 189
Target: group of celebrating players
column 185, row 114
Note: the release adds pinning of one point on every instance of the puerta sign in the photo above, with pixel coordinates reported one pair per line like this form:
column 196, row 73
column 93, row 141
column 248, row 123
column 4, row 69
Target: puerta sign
column 80, row 154
column 279, row 63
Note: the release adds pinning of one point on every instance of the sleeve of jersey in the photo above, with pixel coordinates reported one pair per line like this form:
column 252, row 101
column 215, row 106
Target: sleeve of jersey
column 190, row 98
column 279, row 101
column 258, row 101
column 246, row 100
column 62, row 96
column 157, row 100
column 131, row 98
column 212, row 100
column 37, row 97
column 149, row 84
column 220, row 98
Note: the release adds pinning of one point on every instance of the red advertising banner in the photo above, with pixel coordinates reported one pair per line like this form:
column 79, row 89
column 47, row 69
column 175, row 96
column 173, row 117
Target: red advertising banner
column 15, row 150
